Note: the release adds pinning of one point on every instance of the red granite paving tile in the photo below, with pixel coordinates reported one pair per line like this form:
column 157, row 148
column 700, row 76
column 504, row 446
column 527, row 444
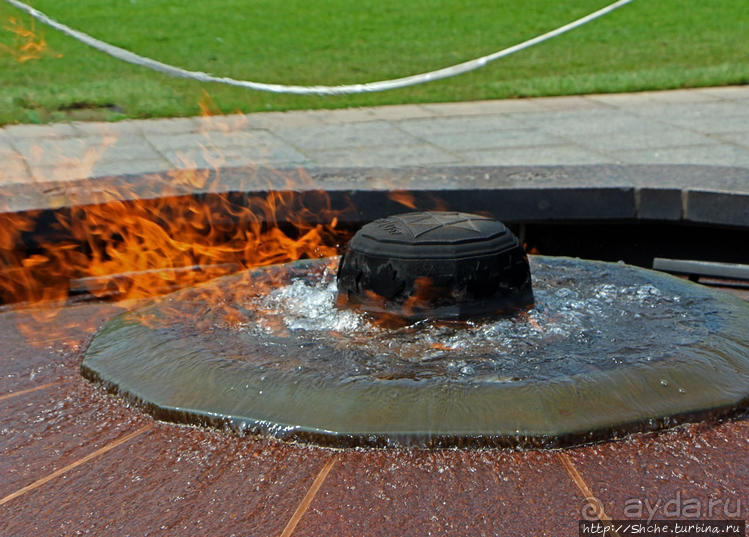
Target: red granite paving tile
column 36, row 388
column 676, row 473
column 172, row 480
column 176, row 477
column 448, row 492
column 185, row 481
column 44, row 430
column 43, row 346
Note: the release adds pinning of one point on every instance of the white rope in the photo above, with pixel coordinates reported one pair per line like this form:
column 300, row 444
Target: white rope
column 382, row 85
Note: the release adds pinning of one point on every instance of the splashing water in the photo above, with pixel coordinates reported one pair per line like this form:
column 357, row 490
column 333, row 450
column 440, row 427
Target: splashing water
column 585, row 318
column 607, row 349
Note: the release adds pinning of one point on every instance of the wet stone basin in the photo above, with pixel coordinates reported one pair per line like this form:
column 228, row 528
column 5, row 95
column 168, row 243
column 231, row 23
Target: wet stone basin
column 606, row 350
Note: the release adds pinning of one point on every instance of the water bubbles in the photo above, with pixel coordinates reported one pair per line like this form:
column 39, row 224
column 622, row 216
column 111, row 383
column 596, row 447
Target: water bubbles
column 579, row 306
column 306, row 306
column 467, row 370
column 647, row 291
column 565, row 293
column 606, row 292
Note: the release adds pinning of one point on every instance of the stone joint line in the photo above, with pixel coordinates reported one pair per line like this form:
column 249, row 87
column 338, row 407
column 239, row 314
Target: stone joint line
column 39, row 482
column 307, row 500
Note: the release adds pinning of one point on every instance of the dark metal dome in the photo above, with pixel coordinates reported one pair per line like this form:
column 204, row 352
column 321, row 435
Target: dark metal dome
column 442, row 265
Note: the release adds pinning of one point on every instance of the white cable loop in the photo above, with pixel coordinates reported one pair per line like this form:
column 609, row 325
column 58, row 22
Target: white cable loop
column 382, row 85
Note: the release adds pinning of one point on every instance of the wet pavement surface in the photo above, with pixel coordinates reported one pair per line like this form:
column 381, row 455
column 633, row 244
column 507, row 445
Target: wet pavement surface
column 78, row 461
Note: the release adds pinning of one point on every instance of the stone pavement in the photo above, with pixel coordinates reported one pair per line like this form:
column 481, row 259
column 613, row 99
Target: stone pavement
column 708, row 126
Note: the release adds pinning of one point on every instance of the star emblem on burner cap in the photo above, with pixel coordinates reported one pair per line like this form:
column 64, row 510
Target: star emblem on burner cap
column 419, row 224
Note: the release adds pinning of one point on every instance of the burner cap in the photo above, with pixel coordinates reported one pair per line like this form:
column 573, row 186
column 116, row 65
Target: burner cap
column 441, row 265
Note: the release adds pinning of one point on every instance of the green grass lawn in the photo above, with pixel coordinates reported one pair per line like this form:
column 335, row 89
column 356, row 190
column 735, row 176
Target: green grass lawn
column 649, row 44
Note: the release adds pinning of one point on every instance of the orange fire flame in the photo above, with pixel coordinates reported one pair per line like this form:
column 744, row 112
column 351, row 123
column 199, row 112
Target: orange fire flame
column 423, row 295
column 404, row 198
column 146, row 247
column 407, row 199
column 27, row 44
column 129, row 244
column 207, row 105
column 125, row 243
column 387, row 315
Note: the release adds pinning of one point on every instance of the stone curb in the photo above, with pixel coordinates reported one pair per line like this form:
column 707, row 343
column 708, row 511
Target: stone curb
column 700, row 194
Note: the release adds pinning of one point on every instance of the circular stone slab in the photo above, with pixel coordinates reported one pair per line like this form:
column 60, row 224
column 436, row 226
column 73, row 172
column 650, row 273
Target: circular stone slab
column 607, row 349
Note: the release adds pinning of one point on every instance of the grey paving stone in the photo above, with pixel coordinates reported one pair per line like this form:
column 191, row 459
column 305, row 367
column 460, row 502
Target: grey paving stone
column 649, row 136
column 476, row 140
column 585, row 122
column 400, row 112
column 679, row 177
column 480, row 108
column 119, row 129
column 171, row 125
column 347, row 135
column 652, row 97
column 212, row 157
column 532, row 156
column 130, row 150
column 213, row 139
column 462, row 124
column 719, row 155
column 226, row 124
column 347, row 115
column 738, row 138
column 717, row 108
column 726, row 92
column 104, row 168
column 709, row 124
column 571, row 102
column 398, row 155
column 109, row 168
column 274, row 120
column 10, row 158
column 13, row 170
column 6, row 151
column 15, row 132
column 387, row 113
column 71, row 151
column 714, row 117
column 45, row 174
column 314, row 117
